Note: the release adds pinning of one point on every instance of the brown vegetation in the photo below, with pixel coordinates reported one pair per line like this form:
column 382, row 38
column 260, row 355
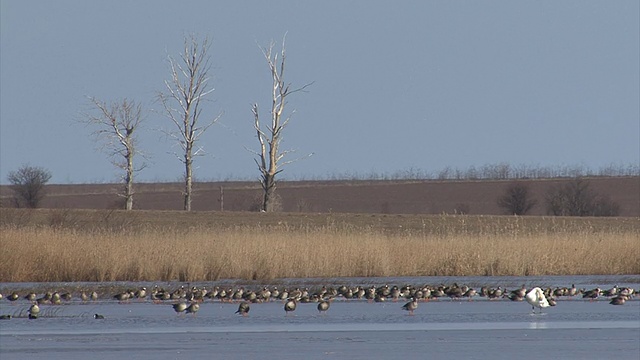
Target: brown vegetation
column 89, row 245
column 364, row 197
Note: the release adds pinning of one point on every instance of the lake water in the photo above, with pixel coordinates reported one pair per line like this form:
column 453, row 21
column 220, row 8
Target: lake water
column 354, row 329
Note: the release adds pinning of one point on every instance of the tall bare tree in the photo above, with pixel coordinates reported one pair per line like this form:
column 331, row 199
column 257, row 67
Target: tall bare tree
column 270, row 157
column 28, row 185
column 116, row 130
column 183, row 104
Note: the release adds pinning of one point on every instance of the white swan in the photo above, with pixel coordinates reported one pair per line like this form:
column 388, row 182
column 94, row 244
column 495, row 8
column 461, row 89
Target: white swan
column 535, row 297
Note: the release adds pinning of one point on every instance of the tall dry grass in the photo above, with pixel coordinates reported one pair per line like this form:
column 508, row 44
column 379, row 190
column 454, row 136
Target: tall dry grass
column 444, row 246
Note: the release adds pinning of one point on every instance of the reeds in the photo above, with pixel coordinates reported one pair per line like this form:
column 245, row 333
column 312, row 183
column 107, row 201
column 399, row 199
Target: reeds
column 445, row 245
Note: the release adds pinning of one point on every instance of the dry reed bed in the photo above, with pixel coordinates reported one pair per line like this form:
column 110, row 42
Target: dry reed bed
column 328, row 246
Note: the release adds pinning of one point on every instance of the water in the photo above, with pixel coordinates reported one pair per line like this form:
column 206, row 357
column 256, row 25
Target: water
column 354, row 329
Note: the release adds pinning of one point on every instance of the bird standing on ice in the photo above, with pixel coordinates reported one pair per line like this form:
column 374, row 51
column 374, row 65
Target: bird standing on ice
column 410, row 306
column 536, row 299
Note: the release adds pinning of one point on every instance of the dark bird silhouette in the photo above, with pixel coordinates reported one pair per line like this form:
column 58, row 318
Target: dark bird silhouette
column 290, row 306
column 323, row 306
column 243, row 309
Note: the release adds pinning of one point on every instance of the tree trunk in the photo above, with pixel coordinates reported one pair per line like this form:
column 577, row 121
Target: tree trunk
column 269, row 186
column 128, row 191
column 188, row 181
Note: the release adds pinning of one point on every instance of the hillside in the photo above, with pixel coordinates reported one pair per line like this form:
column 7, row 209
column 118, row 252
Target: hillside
column 387, row 197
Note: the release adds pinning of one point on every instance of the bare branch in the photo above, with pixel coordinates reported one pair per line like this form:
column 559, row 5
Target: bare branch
column 270, row 157
column 116, row 131
column 188, row 87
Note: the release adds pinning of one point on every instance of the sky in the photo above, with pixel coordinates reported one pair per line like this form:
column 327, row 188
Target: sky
column 397, row 85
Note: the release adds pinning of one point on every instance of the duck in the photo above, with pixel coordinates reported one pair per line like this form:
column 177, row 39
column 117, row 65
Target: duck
column 411, row 306
column 290, row 305
column 5, row 317
column 243, row 309
column 535, row 297
column 13, row 297
column 323, row 306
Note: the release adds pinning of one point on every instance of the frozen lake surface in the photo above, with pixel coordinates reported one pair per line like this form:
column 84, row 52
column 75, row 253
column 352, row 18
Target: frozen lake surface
column 354, row 329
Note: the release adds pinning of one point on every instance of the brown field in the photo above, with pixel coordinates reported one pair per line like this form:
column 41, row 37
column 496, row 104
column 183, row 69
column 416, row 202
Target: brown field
column 105, row 245
column 372, row 197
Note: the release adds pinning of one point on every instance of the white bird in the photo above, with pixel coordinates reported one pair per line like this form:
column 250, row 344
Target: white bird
column 535, row 297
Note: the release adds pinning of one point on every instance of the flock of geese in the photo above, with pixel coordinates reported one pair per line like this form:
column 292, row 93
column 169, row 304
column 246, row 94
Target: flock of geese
column 187, row 300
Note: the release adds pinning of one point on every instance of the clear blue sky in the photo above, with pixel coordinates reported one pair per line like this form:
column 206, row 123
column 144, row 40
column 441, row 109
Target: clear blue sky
column 398, row 85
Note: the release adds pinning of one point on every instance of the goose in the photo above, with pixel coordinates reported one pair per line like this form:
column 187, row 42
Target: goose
column 520, row 293
column 5, row 317
column 514, row 296
column 323, row 306
column 243, row 309
column 395, row 293
column 626, row 291
column 410, row 306
column 179, row 307
column 121, row 297
column 611, row 292
column 13, row 297
column 495, row 293
column 536, row 299
column 592, row 294
column 193, row 308
column 454, row 292
column 141, row 293
column 618, row 300
column 290, row 306
column 572, row 291
column 470, row 293
column 98, row 316
column 34, row 310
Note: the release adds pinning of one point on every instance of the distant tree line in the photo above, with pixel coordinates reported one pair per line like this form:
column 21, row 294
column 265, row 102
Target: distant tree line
column 498, row 171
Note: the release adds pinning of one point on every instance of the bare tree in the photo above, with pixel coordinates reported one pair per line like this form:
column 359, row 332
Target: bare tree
column 182, row 102
column 270, row 157
column 28, row 185
column 576, row 198
column 116, row 130
column 516, row 200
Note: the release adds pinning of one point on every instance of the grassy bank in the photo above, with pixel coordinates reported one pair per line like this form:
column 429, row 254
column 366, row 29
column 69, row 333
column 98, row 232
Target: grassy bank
column 45, row 245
